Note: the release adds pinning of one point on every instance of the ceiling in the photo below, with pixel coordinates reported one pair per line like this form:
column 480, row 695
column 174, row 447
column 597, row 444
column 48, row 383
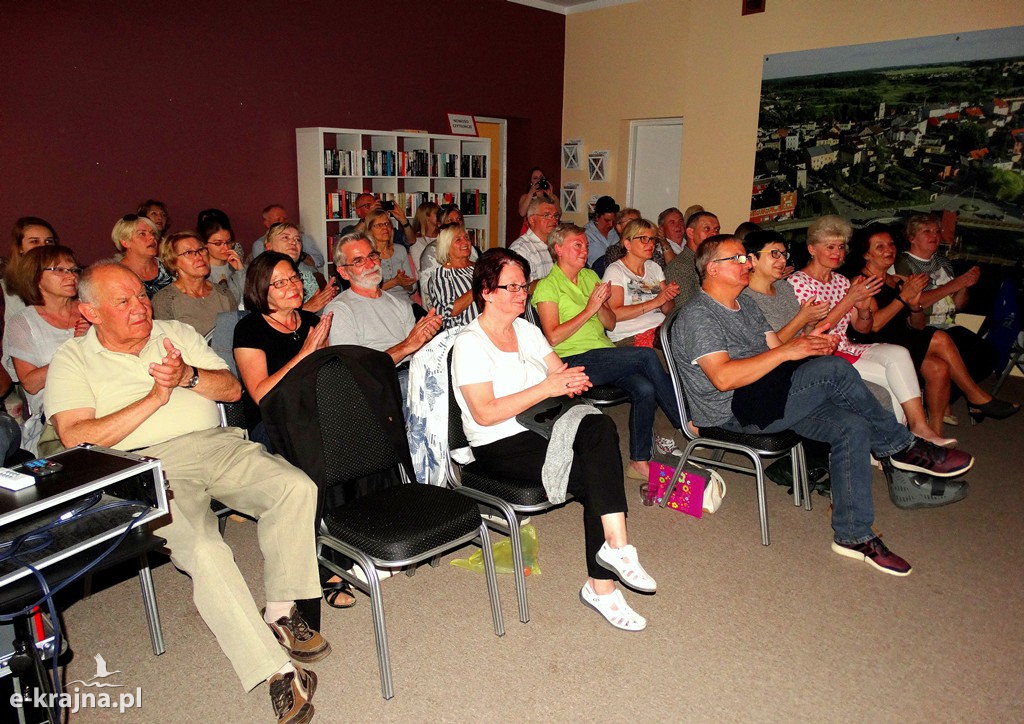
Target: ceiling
column 568, row 7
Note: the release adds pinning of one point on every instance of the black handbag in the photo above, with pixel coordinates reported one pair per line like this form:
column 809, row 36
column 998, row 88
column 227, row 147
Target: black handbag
column 541, row 418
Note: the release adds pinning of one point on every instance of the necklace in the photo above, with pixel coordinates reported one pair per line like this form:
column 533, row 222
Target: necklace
column 294, row 331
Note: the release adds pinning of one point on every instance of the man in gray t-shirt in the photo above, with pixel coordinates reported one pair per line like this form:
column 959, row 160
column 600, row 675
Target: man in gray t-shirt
column 738, row 376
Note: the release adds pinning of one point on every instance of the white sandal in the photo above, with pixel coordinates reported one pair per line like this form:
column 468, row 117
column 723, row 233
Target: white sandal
column 614, row 609
column 625, row 564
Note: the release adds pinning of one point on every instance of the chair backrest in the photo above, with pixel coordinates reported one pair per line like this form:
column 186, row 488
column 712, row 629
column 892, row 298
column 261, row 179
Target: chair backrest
column 456, row 433
column 673, row 371
column 530, row 313
column 599, row 266
column 337, row 415
column 222, row 338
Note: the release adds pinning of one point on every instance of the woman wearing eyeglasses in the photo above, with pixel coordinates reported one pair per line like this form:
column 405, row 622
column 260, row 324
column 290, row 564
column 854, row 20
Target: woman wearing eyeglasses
column 451, row 284
column 48, row 280
column 399, row 278
column 502, row 366
column 137, row 237
column 277, row 333
column 572, row 304
column 640, row 297
column 192, row 298
column 849, row 303
column 226, row 265
column 286, row 239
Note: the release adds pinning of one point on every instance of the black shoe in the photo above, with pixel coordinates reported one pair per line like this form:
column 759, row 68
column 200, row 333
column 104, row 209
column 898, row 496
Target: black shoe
column 996, row 409
column 911, row 491
column 925, row 457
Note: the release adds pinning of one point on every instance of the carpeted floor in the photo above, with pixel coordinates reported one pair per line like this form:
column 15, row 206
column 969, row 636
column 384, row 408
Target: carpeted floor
column 737, row 631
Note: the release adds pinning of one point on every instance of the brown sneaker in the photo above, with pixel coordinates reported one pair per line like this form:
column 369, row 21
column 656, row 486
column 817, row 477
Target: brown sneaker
column 300, row 641
column 291, row 695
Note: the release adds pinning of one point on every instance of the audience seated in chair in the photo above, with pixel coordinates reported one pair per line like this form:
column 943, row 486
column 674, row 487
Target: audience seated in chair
column 48, row 280
column 309, row 255
column 739, row 376
column 574, row 313
column 227, row 266
column 542, row 215
column 682, row 269
column 191, row 298
column 151, row 387
column 136, row 236
column 286, row 239
column 28, row 233
column 501, row 366
column 364, row 315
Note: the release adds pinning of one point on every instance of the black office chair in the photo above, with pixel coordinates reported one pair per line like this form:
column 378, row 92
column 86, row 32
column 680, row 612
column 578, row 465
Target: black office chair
column 507, row 496
column 754, row 447
column 338, row 416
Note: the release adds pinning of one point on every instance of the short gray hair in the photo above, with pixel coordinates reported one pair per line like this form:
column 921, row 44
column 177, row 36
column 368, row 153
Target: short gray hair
column 339, row 248
column 87, row 289
column 536, row 202
column 558, row 236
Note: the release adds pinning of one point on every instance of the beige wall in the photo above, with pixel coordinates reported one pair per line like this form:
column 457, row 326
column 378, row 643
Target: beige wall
column 691, row 58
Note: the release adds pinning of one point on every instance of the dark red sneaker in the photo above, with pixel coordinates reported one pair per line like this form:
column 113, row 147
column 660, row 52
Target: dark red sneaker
column 874, row 553
column 924, row 457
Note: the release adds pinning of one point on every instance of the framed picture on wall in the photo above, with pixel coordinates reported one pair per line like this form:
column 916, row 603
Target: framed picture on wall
column 571, row 154
column 570, row 198
column 597, row 166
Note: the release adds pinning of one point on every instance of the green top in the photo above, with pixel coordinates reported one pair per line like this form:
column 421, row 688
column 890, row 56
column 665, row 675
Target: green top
column 571, row 300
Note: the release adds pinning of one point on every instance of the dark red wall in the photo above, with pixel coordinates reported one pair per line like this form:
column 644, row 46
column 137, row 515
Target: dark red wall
column 196, row 103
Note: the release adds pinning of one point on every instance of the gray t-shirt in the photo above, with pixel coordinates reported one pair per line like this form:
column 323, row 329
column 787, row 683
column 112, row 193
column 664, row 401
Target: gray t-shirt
column 778, row 309
column 378, row 323
column 704, row 327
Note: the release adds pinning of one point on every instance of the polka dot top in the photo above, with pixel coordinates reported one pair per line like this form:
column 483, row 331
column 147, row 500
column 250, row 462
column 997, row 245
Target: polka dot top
column 807, row 287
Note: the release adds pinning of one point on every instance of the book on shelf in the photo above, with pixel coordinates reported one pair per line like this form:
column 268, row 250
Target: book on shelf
column 478, row 237
column 473, row 201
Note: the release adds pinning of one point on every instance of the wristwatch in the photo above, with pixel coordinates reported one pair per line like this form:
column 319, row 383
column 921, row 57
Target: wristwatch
column 406, row 225
column 194, row 380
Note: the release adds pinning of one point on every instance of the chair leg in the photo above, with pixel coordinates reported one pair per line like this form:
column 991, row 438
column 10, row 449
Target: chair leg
column 156, row 635
column 805, row 477
column 1014, row 361
column 515, row 539
column 380, row 632
column 492, row 581
column 678, row 473
column 762, row 507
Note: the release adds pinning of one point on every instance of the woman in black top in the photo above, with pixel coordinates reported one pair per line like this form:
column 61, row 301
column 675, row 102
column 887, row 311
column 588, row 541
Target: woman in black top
column 277, row 334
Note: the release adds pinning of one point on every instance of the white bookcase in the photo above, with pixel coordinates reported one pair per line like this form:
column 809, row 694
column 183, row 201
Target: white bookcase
column 336, row 164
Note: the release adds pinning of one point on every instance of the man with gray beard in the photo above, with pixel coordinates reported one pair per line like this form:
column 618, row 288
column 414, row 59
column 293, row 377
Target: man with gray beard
column 366, row 316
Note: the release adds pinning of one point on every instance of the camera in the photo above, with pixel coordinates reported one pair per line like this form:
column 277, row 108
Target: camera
column 387, row 205
column 543, row 184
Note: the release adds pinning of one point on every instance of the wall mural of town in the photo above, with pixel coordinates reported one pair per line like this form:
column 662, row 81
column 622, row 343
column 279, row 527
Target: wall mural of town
column 879, row 131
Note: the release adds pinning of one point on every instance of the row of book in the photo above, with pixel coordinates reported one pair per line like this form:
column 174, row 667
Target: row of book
column 339, row 162
column 341, row 204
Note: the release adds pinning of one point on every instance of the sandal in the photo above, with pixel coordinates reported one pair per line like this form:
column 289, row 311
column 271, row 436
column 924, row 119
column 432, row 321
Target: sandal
column 624, row 563
column 614, row 609
column 339, row 589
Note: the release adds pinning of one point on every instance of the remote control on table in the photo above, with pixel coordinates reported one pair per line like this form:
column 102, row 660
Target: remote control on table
column 12, row 480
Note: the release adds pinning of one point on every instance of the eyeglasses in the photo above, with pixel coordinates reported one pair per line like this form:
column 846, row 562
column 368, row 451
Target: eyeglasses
column 776, row 254
column 645, row 239
column 548, row 216
column 515, row 288
column 282, row 283
column 194, row 253
column 75, row 270
column 219, row 243
column 361, row 260
column 738, row 258
column 381, row 225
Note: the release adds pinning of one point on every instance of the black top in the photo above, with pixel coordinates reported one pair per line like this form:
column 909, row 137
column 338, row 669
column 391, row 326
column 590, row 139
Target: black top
column 255, row 332
column 897, row 330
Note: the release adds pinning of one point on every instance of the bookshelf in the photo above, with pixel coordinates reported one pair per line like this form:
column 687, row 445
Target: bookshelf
column 337, row 164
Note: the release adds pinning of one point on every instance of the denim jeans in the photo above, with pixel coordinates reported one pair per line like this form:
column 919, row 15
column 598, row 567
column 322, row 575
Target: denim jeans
column 638, row 371
column 828, row 402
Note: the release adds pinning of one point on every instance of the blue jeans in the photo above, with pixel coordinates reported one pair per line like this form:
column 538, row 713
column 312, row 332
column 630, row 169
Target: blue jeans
column 638, row 371
column 828, row 402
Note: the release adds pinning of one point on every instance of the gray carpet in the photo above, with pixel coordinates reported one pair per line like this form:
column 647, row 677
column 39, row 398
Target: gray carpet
column 737, row 631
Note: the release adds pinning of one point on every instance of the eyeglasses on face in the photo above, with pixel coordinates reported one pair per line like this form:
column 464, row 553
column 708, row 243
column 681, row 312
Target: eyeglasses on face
column 282, row 283
column 645, row 239
column 776, row 253
column 195, row 253
column 381, row 225
column 74, row 270
column 373, row 256
column 219, row 243
column 548, row 216
column 738, row 258
column 514, row 288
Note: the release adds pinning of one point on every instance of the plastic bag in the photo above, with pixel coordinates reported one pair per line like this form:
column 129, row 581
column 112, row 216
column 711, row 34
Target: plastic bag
column 503, row 554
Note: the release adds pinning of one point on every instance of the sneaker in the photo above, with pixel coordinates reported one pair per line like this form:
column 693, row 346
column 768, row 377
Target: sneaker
column 666, row 446
column 925, row 457
column 291, row 696
column 875, row 554
column 300, row 641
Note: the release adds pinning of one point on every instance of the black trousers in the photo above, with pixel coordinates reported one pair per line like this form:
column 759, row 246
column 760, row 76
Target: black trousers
column 595, row 479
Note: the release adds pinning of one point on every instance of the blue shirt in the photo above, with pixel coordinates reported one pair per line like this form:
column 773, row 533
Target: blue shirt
column 597, row 244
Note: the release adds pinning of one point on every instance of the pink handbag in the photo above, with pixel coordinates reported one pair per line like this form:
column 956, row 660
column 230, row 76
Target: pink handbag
column 688, row 495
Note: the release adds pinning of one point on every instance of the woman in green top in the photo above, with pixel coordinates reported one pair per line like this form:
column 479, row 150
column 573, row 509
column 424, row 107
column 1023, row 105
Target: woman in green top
column 572, row 304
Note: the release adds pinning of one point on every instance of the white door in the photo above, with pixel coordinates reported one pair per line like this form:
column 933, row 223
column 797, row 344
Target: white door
column 655, row 152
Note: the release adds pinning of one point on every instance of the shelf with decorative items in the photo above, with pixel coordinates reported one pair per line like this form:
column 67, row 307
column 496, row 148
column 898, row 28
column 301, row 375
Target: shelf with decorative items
column 335, row 165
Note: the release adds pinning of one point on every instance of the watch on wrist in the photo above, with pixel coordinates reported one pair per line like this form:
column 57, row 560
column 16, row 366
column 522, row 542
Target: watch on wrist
column 406, row 225
column 194, row 380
